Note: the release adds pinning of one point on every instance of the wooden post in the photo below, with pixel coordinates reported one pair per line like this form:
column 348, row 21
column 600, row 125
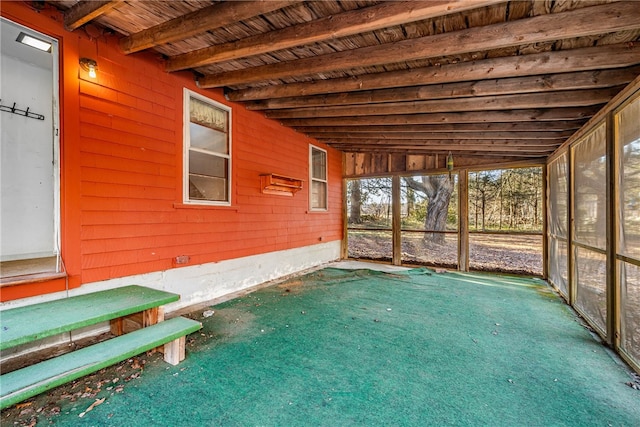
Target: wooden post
column 344, row 246
column 174, row 351
column 545, row 229
column 613, row 319
column 117, row 326
column 572, row 285
column 149, row 317
column 463, row 220
column 396, row 223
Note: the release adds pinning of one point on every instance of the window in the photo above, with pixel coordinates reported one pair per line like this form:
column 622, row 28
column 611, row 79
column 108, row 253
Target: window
column 207, row 162
column 318, row 178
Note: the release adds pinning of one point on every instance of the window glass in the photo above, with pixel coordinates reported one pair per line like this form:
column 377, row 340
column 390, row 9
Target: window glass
column 318, row 173
column 207, row 151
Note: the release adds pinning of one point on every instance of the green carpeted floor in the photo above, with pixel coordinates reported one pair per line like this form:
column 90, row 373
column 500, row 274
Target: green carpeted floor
column 364, row 348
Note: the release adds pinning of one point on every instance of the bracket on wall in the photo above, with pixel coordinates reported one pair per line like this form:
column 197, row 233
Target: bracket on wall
column 272, row 183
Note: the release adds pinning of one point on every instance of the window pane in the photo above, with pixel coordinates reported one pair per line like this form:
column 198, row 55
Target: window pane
column 430, row 203
column 318, row 164
column 630, row 309
column 590, row 189
column 518, row 254
column 591, row 292
column 207, row 188
column 432, row 249
column 319, row 195
column 370, row 245
column 207, row 150
column 207, row 164
column 558, row 186
column 628, row 121
column 558, row 265
column 506, row 200
column 208, row 139
column 207, row 115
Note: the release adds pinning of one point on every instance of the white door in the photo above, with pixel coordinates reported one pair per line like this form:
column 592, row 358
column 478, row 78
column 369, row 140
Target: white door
column 29, row 146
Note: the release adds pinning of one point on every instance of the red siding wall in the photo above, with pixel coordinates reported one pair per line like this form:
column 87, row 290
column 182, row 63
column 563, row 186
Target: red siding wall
column 122, row 145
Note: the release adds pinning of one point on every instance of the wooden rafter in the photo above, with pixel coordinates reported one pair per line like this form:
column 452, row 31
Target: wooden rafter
column 584, row 59
column 538, row 135
column 532, row 84
column 199, row 21
column 569, row 98
column 85, row 11
column 577, row 23
column 528, row 115
column 460, row 128
column 345, row 24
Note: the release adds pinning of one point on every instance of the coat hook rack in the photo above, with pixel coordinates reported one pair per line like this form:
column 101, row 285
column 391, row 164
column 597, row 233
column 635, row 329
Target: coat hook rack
column 20, row 112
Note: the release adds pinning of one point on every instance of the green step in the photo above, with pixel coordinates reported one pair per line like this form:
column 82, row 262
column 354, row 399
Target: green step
column 26, row 324
column 27, row 382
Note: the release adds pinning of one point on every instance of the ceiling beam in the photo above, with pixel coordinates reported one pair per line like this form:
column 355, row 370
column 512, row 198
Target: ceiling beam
column 530, row 144
column 444, row 149
column 612, row 17
column 199, row 21
column 541, row 136
column 460, row 128
column 569, row 98
column 532, row 84
column 584, row 59
column 332, row 27
column 85, row 11
column 529, row 115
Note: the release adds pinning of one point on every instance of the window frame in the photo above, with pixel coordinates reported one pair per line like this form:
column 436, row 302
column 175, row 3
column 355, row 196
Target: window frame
column 313, row 208
column 186, row 144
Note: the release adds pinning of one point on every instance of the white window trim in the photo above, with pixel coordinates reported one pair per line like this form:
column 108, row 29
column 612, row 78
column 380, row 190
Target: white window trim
column 186, row 145
column 311, row 179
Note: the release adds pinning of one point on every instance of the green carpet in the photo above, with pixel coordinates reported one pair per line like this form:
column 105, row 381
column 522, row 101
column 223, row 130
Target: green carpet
column 364, row 348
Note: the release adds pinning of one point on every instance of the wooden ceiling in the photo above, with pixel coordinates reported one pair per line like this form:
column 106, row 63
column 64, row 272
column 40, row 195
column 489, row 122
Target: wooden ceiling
column 496, row 80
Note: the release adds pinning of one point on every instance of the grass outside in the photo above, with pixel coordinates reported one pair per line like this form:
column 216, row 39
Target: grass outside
column 520, row 254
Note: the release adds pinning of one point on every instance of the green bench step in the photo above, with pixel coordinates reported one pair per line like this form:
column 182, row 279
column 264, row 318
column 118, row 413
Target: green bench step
column 26, row 324
column 27, row 382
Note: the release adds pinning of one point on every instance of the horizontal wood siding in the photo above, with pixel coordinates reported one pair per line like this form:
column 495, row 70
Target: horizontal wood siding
column 124, row 143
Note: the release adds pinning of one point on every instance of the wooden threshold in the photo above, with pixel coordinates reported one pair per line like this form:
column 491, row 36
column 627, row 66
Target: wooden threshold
column 33, row 270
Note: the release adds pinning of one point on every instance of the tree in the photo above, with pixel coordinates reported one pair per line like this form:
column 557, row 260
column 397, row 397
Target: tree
column 437, row 189
column 355, row 199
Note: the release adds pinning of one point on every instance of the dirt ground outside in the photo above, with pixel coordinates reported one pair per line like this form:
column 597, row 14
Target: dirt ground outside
column 517, row 254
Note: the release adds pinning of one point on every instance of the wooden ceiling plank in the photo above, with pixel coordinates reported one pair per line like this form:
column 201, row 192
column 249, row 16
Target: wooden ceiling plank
column 562, row 126
column 531, row 144
column 455, row 150
column 533, row 84
column 541, row 136
column 372, row 18
column 199, row 21
column 571, row 98
column 86, row 11
column 612, row 17
column 585, row 59
column 528, row 115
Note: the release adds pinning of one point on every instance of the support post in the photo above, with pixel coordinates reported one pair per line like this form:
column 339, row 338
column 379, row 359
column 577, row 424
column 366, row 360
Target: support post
column 545, row 229
column 613, row 320
column 174, row 351
column 344, row 245
column 396, row 223
column 463, row 220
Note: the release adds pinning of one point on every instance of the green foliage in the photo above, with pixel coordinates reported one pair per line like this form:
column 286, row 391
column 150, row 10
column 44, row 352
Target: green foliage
column 506, row 199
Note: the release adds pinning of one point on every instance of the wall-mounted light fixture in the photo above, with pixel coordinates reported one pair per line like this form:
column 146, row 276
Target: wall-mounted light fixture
column 25, row 38
column 90, row 66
